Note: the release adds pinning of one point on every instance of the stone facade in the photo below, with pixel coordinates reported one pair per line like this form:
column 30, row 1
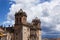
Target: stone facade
column 6, row 33
column 24, row 30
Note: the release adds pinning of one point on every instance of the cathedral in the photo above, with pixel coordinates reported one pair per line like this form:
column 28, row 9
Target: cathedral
column 22, row 30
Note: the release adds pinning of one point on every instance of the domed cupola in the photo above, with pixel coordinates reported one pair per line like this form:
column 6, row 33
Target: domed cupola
column 36, row 21
column 20, row 17
column 21, row 13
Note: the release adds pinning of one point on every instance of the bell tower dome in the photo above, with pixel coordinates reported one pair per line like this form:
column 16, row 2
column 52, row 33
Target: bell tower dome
column 20, row 17
column 36, row 22
column 37, row 28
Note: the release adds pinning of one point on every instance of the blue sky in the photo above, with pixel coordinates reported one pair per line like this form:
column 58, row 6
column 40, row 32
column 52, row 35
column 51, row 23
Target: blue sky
column 48, row 11
column 4, row 9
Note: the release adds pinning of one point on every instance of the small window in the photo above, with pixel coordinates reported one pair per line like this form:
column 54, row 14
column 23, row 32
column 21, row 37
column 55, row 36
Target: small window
column 16, row 34
column 28, row 29
column 15, row 38
column 11, row 38
column 20, row 19
column 28, row 39
column 16, row 20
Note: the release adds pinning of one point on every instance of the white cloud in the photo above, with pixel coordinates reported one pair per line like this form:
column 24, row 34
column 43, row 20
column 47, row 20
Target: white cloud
column 46, row 19
column 26, row 1
column 57, row 27
column 48, row 12
column 8, row 22
column 43, row 33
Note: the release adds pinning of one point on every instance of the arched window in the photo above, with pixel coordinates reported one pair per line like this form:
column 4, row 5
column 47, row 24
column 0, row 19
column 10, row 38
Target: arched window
column 20, row 19
column 16, row 20
column 28, row 39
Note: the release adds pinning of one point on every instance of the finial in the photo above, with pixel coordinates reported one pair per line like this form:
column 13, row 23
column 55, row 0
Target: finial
column 21, row 10
column 36, row 17
column 36, row 20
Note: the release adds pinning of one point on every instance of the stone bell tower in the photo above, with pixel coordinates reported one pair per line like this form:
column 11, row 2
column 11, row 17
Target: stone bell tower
column 20, row 17
column 35, row 31
column 20, row 20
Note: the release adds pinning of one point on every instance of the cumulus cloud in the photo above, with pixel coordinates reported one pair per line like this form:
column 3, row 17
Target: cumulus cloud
column 48, row 12
column 8, row 22
column 58, row 27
